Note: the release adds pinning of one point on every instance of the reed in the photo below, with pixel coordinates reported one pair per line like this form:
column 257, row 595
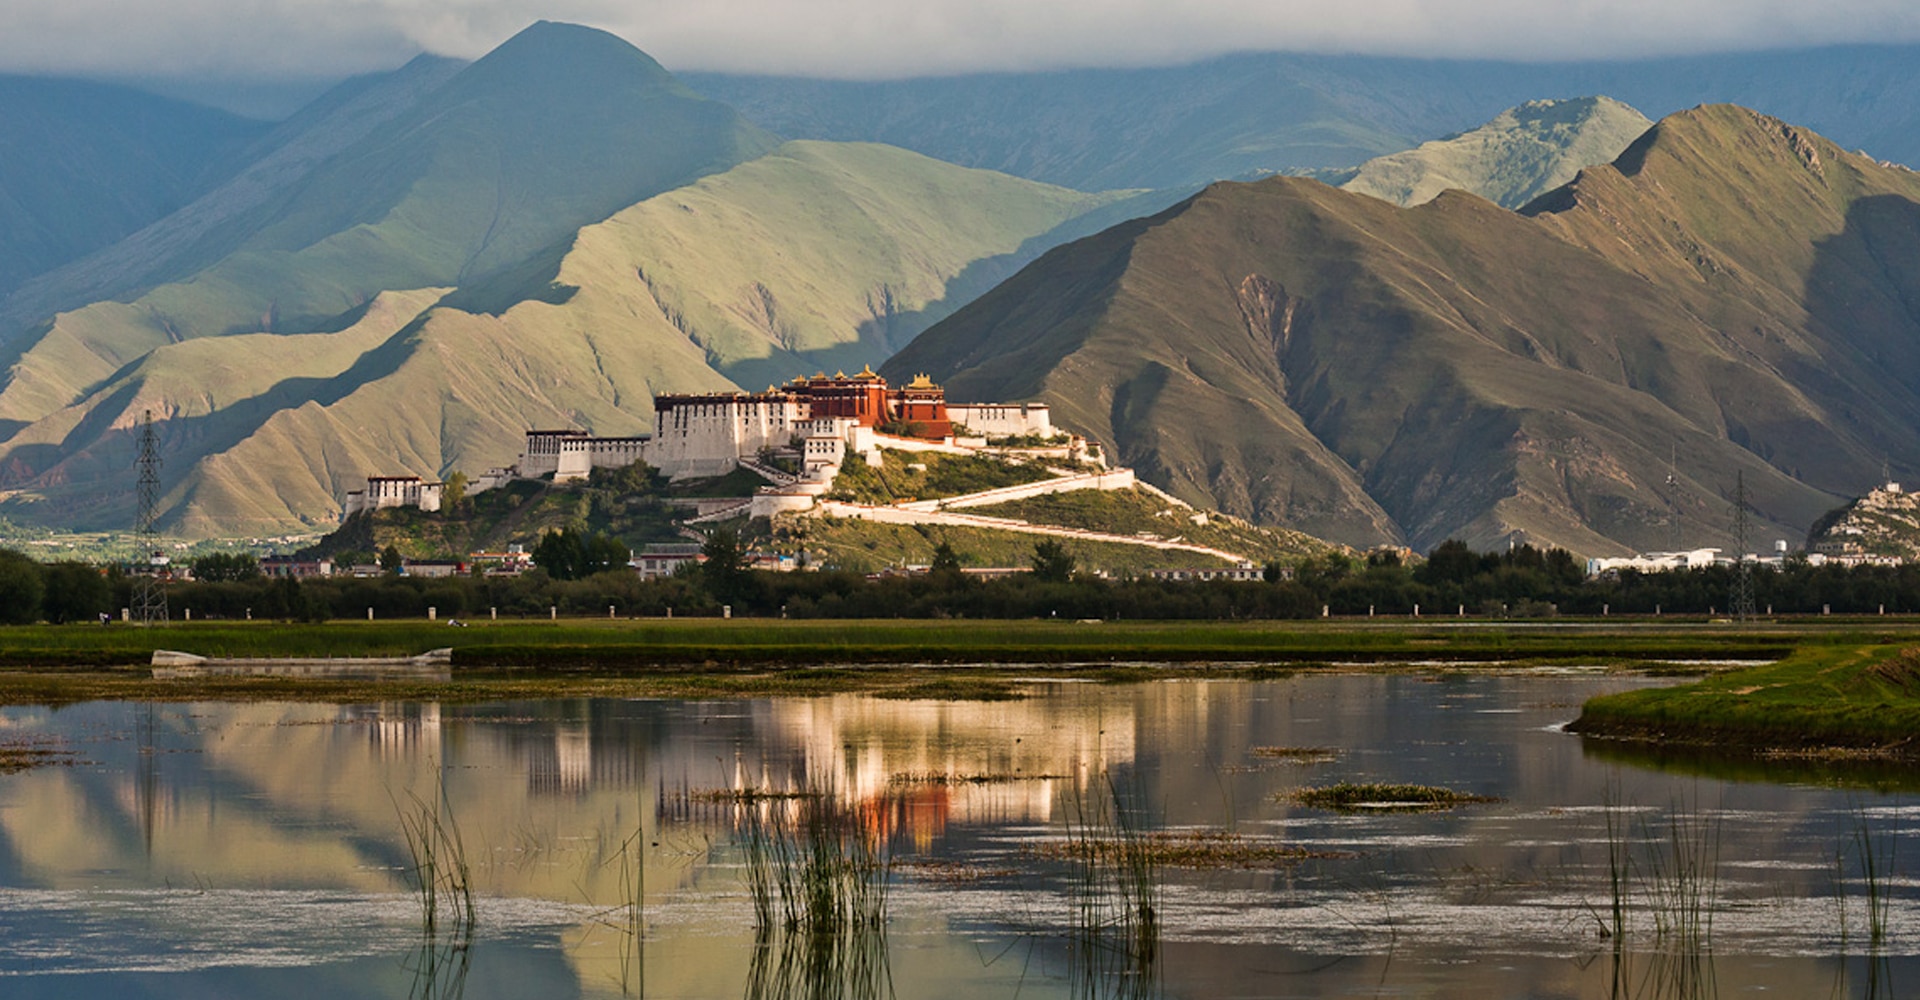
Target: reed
column 1668, row 874
column 442, row 878
column 440, row 966
column 1114, row 897
column 1876, row 871
column 1682, row 879
column 817, row 874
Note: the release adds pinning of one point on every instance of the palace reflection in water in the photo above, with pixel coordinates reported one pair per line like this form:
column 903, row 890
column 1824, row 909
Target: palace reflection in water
column 185, row 834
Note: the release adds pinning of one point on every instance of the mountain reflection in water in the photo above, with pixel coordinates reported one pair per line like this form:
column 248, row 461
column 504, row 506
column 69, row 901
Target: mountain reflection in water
column 257, row 849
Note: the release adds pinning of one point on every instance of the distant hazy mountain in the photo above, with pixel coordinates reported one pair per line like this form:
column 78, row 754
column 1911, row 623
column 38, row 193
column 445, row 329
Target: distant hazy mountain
column 1521, row 154
column 84, row 164
column 1236, row 115
column 1732, row 289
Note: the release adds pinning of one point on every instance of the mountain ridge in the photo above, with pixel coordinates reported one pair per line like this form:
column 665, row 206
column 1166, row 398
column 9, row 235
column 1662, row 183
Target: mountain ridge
column 1250, row 348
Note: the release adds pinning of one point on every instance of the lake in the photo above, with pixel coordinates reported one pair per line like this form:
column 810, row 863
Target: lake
column 609, row 849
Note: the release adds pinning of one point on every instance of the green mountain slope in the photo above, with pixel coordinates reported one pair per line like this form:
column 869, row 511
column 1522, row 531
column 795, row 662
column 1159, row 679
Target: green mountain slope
column 84, row 164
column 735, row 261
column 1730, row 292
column 709, row 286
column 559, row 127
column 1518, row 156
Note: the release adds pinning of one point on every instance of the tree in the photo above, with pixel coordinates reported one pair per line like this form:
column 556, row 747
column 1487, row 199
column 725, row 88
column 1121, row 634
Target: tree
column 560, row 553
column 454, row 493
column 1449, row 562
column 601, row 553
column 226, row 567
column 1051, row 562
column 945, row 560
column 74, row 591
column 725, row 572
column 22, row 586
column 391, row 560
column 638, row 479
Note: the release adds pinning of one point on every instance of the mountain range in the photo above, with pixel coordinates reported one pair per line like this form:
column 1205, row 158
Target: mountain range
column 1255, row 113
column 547, row 236
column 412, row 270
column 1733, row 297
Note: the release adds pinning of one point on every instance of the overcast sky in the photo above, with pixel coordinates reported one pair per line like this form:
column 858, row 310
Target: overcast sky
column 888, row 38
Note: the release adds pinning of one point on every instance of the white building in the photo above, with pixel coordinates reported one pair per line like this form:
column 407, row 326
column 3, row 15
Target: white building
column 394, row 491
column 1003, row 420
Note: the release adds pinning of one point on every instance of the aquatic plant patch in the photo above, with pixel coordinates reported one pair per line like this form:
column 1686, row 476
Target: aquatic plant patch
column 1195, row 849
column 1352, row 797
column 1297, row 755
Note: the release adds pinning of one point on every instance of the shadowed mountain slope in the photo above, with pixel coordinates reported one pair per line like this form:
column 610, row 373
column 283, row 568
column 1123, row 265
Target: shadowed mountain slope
column 84, row 164
column 176, row 245
column 1731, row 291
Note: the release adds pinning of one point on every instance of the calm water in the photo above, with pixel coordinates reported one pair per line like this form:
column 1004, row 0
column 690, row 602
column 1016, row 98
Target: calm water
column 256, row 850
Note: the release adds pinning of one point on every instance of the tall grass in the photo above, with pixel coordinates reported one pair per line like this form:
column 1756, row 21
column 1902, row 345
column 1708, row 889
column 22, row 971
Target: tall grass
column 443, row 886
column 1682, row 879
column 443, row 881
column 1669, row 873
column 1114, row 899
column 817, row 873
column 1875, row 859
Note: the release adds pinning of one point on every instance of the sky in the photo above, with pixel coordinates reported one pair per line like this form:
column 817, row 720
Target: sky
column 878, row 39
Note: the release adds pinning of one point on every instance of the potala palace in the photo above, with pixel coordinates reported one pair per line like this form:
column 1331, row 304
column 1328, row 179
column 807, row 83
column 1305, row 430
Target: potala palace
column 813, row 424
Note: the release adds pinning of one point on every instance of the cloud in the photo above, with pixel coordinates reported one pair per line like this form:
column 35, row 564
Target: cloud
column 882, row 38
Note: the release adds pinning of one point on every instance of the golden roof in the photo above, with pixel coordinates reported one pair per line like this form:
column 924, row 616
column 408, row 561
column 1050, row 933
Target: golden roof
column 921, row 381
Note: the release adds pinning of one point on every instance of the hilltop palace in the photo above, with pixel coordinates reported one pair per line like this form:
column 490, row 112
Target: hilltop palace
column 815, row 423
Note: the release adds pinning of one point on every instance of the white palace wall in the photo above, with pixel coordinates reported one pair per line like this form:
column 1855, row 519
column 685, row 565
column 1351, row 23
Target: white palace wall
column 706, row 436
column 1003, row 419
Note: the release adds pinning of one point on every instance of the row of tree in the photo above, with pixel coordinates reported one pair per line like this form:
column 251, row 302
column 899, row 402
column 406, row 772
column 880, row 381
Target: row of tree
column 574, row 578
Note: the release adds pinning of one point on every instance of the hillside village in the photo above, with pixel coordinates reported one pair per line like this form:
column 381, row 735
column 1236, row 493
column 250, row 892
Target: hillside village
column 837, row 449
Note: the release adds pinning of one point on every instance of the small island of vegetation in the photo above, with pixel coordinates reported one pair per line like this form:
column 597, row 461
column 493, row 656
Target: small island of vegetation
column 1831, row 699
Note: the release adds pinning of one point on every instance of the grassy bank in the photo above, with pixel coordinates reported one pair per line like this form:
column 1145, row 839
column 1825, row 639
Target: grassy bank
column 893, row 658
column 1859, row 697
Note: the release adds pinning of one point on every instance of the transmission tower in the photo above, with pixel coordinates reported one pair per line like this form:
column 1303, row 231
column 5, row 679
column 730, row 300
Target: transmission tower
column 1673, row 497
column 149, row 589
column 1741, row 600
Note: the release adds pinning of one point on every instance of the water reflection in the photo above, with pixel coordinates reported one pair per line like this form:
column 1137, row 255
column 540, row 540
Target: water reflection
column 605, row 842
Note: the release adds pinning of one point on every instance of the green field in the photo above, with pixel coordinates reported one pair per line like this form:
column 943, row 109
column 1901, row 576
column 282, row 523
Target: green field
column 495, row 660
column 655, row 642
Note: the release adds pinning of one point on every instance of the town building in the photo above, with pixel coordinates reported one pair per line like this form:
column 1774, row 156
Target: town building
column 432, row 569
column 665, row 559
column 1655, row 562
column 288, row 567
column 1244, row 572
